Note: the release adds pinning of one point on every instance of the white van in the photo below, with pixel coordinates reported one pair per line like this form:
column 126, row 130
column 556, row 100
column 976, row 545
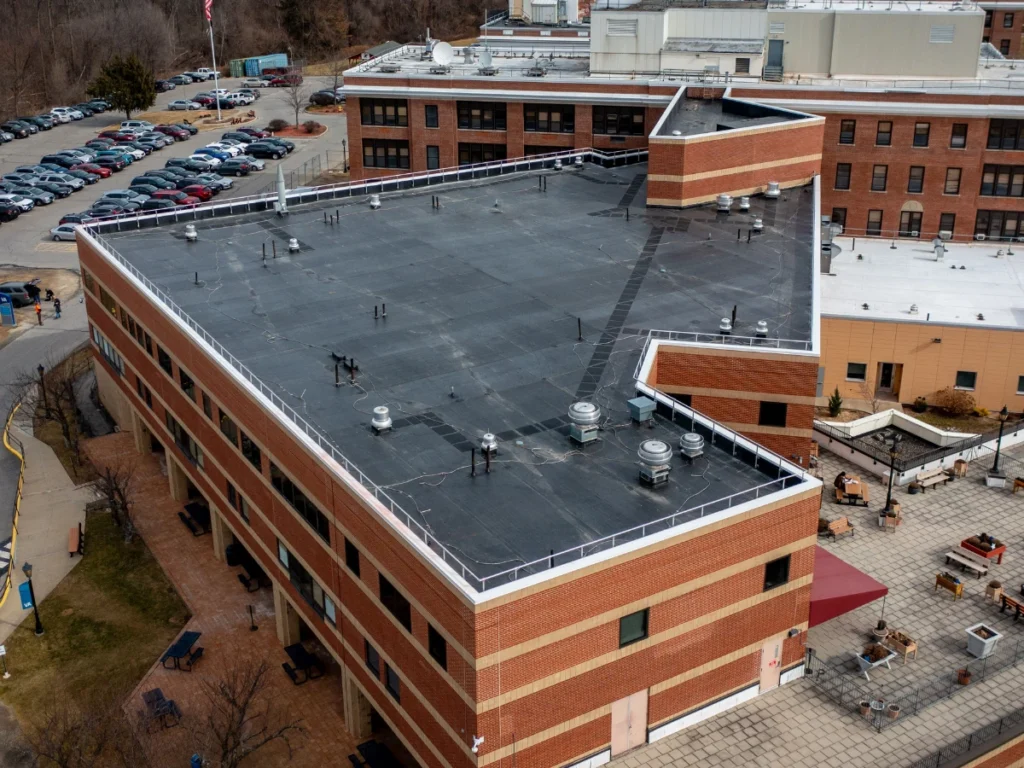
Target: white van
column 136, row 125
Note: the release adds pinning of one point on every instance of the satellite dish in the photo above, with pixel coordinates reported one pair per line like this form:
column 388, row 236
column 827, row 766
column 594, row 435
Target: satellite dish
column 486, row 59
column 443, row 54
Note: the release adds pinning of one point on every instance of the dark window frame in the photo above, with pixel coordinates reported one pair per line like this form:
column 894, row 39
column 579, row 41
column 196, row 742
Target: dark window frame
column 434, row 163
column 352, row 558
column 1005, row 134
column 772, row 414
column 164, row 361
column 430, row 117
column 972, row 376
column 392, row 683
column 952, row 185
column 372, row 658
column 437, row 646
column 870, row 227
column 910, row 222
column 481, row 115
column 618, row 121
column 847, row 131
column 398, row 605
column 539, row 118
column 887, row 134
column 851, row 371
column 1008, row 17
column 631, row 632
column 958, row 136
column 922, row 134
column 844, row 172
column 776, row 572
column 386, row 153
column 947, row 224
column 188, row 385
column 915, row 180
column 392, row 113
column 472, row 153
column 875, row 187
column 251, row 451
column 301, row 503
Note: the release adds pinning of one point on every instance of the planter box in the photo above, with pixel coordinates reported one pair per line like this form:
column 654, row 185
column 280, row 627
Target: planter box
column 995, row 481
column 982, row 640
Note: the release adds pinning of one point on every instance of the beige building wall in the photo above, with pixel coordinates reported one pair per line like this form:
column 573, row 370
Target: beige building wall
column 808, row 40
column 110, row 395
column 927, row 365
column 620, row 52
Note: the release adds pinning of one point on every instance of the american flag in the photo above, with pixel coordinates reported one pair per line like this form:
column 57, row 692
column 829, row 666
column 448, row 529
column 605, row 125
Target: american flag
column 207, row 9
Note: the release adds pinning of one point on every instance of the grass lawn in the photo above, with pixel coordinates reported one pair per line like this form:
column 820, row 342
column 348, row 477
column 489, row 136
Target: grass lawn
column 106, row 624
column 970, row 423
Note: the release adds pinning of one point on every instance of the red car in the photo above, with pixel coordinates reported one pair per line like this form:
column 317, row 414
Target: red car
column 176, row 196
column 285, row 80
column 179, row 134
column 204, row 100
column 198, row 190
column 99, row 170
column 256, row 134
column 110, row 134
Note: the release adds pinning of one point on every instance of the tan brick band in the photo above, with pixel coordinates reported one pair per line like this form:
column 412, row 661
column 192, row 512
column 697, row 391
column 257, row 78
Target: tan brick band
column 735, row 394
column 736, row 169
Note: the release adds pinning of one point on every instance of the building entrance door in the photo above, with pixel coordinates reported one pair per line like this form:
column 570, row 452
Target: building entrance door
column 775, row 53
column 771, row 664
column 629, row 723
column 885, row 377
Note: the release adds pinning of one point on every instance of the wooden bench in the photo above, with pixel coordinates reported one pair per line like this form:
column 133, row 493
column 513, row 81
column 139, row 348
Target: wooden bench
column 968, row 561
column 76, row 541
column 192, row 658
column 293, row 674
column 932, row 477
column 1018, row 482
column 195, row 529
column 1013, row 604
column 838, row 527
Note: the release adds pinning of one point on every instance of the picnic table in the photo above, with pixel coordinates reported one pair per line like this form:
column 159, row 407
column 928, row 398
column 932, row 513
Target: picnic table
column 854, row 491
column 975, row 545
column 182, row 649
column 200, row 513
column 378, row 755
column 304, row 661
column 866, row 665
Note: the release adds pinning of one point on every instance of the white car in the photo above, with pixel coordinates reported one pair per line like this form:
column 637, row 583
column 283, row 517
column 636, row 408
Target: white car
column 231, row 150
column 138, row 154
column 61, row 113
column 254, row 82
column 63, row 232
column 240, row 98
column 213, row 162
column 184, row 105
column 206, row 71
column 136, row 125
column 220, row 93
column 23, row 203
column 255, row 162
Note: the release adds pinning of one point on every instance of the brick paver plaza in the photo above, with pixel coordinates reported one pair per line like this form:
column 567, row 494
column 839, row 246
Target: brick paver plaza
column 799, row 727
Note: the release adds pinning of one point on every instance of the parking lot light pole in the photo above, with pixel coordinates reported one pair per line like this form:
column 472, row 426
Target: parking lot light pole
column 213, row 56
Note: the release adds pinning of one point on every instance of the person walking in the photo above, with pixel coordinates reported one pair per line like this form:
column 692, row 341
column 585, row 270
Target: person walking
column 56, row 307
column 39, row 311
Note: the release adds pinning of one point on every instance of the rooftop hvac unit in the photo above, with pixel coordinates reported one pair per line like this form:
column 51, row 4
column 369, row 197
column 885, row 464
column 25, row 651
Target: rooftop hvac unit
column 437, row 69
column 487, row 71
column 691, row 445
column 584, row 417
column 381, row 419
column 641, row 409
column 536, row 71
column 724, row 203
column 389, row 68
column 945, row 234
column 655, row 456
column 772, row 192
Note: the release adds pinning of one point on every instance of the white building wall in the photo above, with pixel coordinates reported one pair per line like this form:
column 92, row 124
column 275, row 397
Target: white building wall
column 618, row 52
column 808, row 39
column 721, row 24
column 726, row 62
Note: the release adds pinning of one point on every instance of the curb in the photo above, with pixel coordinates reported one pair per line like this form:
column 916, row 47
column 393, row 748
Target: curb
column 17, row 502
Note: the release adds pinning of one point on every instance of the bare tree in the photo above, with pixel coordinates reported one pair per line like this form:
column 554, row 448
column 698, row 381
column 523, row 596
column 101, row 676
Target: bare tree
column 297, row 95
column 240, row 719
column 117, row 484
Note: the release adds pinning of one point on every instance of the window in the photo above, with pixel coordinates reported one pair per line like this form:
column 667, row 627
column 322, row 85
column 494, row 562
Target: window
column 165, row 360
column 988, row 18
column 372, row 659
column 842, row 176
column 391, row 683
column 610, row 121
column 109, row 353
column 874, row 226
column 772, row 414
column 433, row 158
column 1020, row 384
column 481, row 115
column 282, row 553
column 144, row 393
column 966, row 379
column 915, row 182
column 633, row 627
column 385, row 153
column 1004, row 47
column 883, row 137
column 108, row 301
column 1005, row 134
column 184, row 440
column 947, row 222
column 307, row 510
column 88, row 281
column 910, row 224
column 998, row 224
column 228, row 428
column 308, row 587
column 237, row 502
column 958, row 137
column 839, row 217
column 384, row 112
column 847, row 131
column 549, row 118
column 251, row 451
column 952, row 185
column 742, row 66
column 207, row 406
column 1002, row 180
column 480, row 153
column 437, row 646
column 856, row 371
column 942, row 33
column 352, row 557
column 1007, row 21
column 430, row 112
column 133, row 328
column 776, row 573
column 395, row 602
column 537, row 149
column 879, row 178
column 921, row 131
column 187, row 385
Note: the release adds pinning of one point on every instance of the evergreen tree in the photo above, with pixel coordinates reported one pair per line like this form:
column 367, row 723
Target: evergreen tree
column 126, row 83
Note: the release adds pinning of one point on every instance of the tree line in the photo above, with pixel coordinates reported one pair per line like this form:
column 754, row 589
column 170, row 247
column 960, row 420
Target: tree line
column 50, row 50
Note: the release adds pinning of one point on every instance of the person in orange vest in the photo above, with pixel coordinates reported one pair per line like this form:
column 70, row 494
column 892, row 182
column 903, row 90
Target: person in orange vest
column 39, row 311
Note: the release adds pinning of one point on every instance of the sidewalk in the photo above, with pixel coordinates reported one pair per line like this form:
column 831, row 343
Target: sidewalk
column 51, row 504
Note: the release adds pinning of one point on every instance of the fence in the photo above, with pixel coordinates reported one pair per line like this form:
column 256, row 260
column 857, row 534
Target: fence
column 987, row 735
column 850, row 692
column 13, row 445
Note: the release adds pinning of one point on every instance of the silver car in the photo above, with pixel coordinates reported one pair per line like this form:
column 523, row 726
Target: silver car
column 21, row 179
column 184, row 104
column 61, row 178
column 63, row 232
column 215, row 180
column 23, row 203
column 124, row 196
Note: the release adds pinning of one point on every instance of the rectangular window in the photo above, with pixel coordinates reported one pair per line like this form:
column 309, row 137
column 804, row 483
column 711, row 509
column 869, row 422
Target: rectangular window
column 1004, row 47
column 238, row 502
column 207, row 406
column 352, row 557
column 998, row 225
column 742, row 66
column 1002, row 180
column 108, row 301
column 988, row 18
column 307, row 510
column 613, row 121
column 430, row 111
column 184, row 440
column 135, row 330
column 481, row 115
column 372, row 659
column 966, row 379
column 549, row 118
column 879, row 178
column 772, row 414
column 470, row 154
column 952, row 185
column 883, row 137
column 109, row 353
column 385, row 153
column 776, row 573
column 391, row 683
column 165, row 360
column 395, row 602
column 282, row 553
column 251, row 451
column 144, row 392
column 947, row 222
column 856, row 371
column 874, row 226
column 308, row 587
column 437, row 646
column 921, row 131
column 232, row 495
column 839, row 217
column 433, row 158
column 393, row 112
column 228, row 428
column 910, row 224
column 187, row 385
column 915, row 182
column 958, row 136
column 1005, row 134
column 88, row 281
column 1020, row 385
column 1007, row 21
column 847, row 131
column 633, row 627
column 842, row 176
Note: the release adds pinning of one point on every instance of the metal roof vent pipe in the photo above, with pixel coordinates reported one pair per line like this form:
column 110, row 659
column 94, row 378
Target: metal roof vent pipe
column 190, row 233
column 773, row 192
column 691, row 445
column 381, row 419
column 761, row 329
column 913, row 309
column 725, row 327
column 558, row 164
column 724, row 203
column 584, row 417
column 655, row 456
column 374, row 202
column 578, row 162
column 281, row 206
column 758, row 225
column 744, row 203
column 489, row 444
column 293, row 245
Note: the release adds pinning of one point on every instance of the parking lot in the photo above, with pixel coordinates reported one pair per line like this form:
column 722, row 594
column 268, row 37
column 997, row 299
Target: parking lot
column 26, row 241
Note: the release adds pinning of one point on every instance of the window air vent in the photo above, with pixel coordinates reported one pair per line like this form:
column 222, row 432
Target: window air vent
column 942, row 33
column 622, row 27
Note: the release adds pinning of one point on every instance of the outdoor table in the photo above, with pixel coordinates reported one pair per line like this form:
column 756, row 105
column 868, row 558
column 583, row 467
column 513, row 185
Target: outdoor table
column 199, row 513
column 974, row 545
column 378, row 755
column 302, row 659
column 181, row 648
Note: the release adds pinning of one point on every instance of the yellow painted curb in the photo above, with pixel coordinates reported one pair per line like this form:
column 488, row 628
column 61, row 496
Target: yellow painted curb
column 17, row 504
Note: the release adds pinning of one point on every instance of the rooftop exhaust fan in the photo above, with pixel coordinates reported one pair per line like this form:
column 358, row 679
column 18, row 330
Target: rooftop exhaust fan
column 724, row 203
column 374, row 202
column 558, row 164
column 190, row 233
column 489, row 444
column 772, row 192
column 578, row 162
column 913, row 309
column 584, row 417
column 725, row 327
column 381, row 419
column 655, row 456
column 293, row 245
column 758, row 225
column 761, row 329
column 691, row 445
column 744, row 203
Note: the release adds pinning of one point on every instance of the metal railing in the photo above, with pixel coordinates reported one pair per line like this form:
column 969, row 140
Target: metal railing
column 14, row 445
column 987, row 735
column 761, row 342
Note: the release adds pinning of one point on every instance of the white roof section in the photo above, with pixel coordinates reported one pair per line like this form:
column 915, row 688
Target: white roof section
column 876, row 6
column 971, row 279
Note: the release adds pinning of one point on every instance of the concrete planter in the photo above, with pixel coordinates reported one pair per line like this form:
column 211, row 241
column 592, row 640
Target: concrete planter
column 982, row 640
column 995, row 480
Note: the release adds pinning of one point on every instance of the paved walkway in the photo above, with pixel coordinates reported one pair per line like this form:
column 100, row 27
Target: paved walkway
column 220, row 610
column 797, row 727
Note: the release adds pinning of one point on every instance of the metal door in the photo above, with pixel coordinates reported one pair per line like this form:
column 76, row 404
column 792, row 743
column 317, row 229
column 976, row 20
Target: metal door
column 771, row 664
column 629, row 723
column 775, row 53
column 885, row 377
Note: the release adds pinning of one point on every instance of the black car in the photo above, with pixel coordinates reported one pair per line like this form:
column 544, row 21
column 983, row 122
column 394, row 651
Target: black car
column 188, row 181
column 325, row 98
column 19, row 130
column 287, row 145
column 76, row 218
column 245, row 138
column 47, row 120
column 112, row 163
column 265, row 149
column 143, row 189
column 152, row 181
column 98, row 105
column 88, row 178
column 85, row 109
column 147, row 148
column 236, row 166
column 62, row 160
column 165, row 174
column 30, row 127
column 38, row 122
column 162, row 86
column 59, row 191
column 187, row 127
column 8, row 211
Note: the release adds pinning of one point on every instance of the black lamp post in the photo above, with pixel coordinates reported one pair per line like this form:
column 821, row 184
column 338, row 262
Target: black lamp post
column 1003, row 415
column 894, row 451
column 27, row 570
column 42, row 385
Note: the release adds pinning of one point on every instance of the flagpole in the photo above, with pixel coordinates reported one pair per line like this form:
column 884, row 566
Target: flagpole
column 213, row 56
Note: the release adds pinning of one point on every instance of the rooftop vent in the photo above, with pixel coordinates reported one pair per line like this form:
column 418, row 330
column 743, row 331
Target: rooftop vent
column 381, row 419
column 677, row 132
column 489, row 443
column 761, row 329
column 375, row 202
column 389, row 68
column 725, row 327
column 773, row 190
column 724, row 203
column 487, row 71
column 641, row 409
column 293, row 245
column 758, row 225
column 536, row 71
column 913, row 309
column 190, row 233
column 558, row 164
column 584, row 417
column 691, row 445
column 744, row 203
column 655, row 456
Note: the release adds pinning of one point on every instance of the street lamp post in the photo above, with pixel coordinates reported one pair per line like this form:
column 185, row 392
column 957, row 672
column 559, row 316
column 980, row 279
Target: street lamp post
column 42, row 385
column 27, row 570
column 1003, row 414
column 893, row 453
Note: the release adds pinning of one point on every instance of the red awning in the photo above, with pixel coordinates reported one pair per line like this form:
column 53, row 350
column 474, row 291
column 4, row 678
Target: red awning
column 838, row 588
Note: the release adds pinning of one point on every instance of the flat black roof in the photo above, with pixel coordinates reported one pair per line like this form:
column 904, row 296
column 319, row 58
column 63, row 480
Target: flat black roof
column 482, row 299
column 692, row 117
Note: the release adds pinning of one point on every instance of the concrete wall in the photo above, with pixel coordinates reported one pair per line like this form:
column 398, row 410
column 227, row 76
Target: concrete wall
column 620, row 53
column 112, row 399
column 724, row 24
column 808, row 38
column 726, row 62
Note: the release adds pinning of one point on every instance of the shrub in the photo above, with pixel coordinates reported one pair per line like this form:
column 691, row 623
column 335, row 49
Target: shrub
column 953, row 402
column 982, row 412
column 277, row 125
column 835, row 403
column 311, row 126
column 920, row 405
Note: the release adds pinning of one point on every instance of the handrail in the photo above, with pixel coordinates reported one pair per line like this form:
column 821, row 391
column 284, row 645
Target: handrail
column 18, row 450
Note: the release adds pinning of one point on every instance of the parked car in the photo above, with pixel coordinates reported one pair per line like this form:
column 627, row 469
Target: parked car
column 23, row 203
column 236, row 166
column 37, row 195
column 48, row 120
column 176, row 196
column 17, row 129
column 83, row 155
column 146, row 149
column 215, row 181
column 144, row 189
column 30, row 127
column 8, row 211
column 283, row 81
column 204, row 100
column 84, row 176
column 265, row 149
column 151, row 181
column 198, row 77
column 162, row 86
column 181, row 80
column 192, row 130
column 6, row 136
column 59, row 191
column 85, row 109
column 63, row 114
column 76, row 218
column 254, row 82
column 101, row 211
column 201, row 191
column 37, row 122
column 184, row 105
column 254, row 132
column 238, row 97
column 136, row 125
column 64, row 179
column 64, row 161
column 237, row 137
column 223, row 150
column 176, row 133
column 101, row 169
column 155, row 137
column 288, row 146
column 99, row 144
column 325, row 98
column 128, row 149
column 254, row 93
column 212, row 161
column 117, row 155
column 100, row 105
column 19, row 296
column 121, row 196
column 21, row 179
column 63, row 232
column 255, row 163
column 157, row 205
